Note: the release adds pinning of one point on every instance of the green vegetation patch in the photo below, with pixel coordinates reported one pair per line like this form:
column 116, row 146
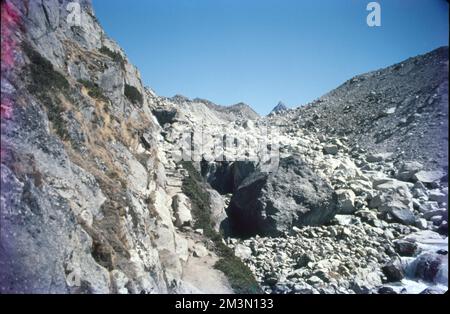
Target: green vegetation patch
column 239, row 275
column 94, row 90
column 45, row 83
column 43, row 75
column 116, row 56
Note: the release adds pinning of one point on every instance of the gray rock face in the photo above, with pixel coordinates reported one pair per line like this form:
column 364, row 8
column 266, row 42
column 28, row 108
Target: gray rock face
column 85, row 206
column 272, row 203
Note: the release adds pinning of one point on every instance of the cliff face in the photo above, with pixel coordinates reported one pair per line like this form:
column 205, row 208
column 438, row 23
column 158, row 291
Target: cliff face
column 86, row 206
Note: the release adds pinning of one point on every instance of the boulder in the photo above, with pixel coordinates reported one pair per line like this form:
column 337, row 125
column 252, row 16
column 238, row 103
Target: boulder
column 394, row 200
column 346, row 201
column 242, row 251
column 272, row 203
column 408, row 170
column 393, row 271
column 402, row 215
column 421, row 223
column 405, row 248
column 435, row 212
column 182, row 210
column 425, row 237
column 419, row 190
column 343, row 220
column 378, row 157
column 200, row 250
column 429, row 176
column 330, row 149
column 438, row 196
column 443, row 227
column 431, row 267
column 426, row 207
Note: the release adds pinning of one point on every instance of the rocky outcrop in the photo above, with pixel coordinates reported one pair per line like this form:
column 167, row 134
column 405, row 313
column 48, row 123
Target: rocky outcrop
column 86, row 202
column 269, row 204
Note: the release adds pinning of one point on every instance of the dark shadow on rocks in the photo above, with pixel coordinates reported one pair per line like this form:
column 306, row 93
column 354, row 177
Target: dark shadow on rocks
column 270, row 204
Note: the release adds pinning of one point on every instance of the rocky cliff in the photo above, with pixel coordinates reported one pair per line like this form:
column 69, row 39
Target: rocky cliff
column 88, row 195
column 102, row 193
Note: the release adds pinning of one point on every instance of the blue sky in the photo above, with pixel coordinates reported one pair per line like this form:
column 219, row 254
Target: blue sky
column 264, row 51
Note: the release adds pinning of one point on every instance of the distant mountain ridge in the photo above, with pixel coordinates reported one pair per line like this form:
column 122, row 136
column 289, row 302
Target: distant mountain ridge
column 239, row 111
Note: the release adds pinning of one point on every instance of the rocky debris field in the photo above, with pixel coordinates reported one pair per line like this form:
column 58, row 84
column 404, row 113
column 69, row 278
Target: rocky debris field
column 335, row 216
column 401, row 109
column 346, row 257
column 332, row 218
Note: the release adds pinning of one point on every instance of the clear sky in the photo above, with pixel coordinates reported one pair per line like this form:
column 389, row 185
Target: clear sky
column 264, row 51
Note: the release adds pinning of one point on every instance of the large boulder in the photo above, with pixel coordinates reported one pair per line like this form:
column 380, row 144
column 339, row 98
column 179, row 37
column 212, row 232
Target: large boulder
column 218, row 205
column 271, row 203
column 408, row 170
column 393, row 271
column 346, row 201
column 431, row 267
column 394, row 200
column 429, row 176
column 405, row 248
column 182, row 210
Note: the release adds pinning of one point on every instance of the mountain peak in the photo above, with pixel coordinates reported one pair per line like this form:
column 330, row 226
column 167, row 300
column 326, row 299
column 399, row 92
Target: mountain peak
column 280, row 107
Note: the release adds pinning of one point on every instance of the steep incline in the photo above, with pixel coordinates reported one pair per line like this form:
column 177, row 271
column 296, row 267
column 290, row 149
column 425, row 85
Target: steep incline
column 402, row 109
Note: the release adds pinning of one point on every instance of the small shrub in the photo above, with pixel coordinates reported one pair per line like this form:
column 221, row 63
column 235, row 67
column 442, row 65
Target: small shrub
column 43, row 75
column 94, row 90
column 239, row 275
column 133, row 94
column 44, row 83
column 116, row 56
column 199, row 199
